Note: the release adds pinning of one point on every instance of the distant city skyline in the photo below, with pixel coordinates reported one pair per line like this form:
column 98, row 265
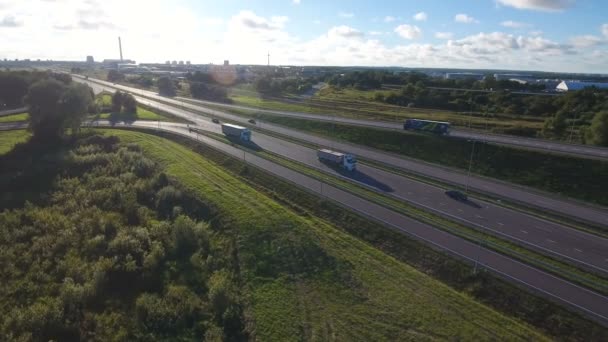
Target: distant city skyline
column 543, row 35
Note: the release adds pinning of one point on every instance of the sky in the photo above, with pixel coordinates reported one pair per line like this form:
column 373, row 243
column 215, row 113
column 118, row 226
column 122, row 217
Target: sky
column 546, row 35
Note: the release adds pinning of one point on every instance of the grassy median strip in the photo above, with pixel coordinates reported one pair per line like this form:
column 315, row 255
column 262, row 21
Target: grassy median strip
column 488, row 240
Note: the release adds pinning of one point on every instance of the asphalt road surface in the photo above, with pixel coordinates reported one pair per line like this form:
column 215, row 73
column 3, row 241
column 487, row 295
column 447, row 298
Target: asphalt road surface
column 498, row 188
column 589, row 302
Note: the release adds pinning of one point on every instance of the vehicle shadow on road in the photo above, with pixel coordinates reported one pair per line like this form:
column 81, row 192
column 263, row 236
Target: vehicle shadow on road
column 248, row 144
column 365, row 179
column 472, row 203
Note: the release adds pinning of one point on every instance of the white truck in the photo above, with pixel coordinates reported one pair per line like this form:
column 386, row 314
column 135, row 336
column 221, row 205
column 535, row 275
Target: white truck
column 342, row 160
column 235, row 131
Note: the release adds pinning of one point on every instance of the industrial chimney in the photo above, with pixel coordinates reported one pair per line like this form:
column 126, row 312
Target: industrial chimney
column 120, row 48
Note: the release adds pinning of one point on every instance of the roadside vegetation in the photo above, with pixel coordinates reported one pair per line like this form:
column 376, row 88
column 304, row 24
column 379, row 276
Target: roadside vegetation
column 544, row 171
column 14, row 117
column 8, row 139
column 99, row 244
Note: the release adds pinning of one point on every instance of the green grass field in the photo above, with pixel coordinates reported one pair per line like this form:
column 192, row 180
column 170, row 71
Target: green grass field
column 15, row 117
column 8, row 139
column 307, row 280
column 142, row 114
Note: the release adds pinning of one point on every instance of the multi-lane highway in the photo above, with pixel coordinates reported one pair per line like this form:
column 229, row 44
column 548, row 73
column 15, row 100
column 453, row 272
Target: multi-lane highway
column 511, row 192
column 587, row 301
column 548, row 237
column 531, row 143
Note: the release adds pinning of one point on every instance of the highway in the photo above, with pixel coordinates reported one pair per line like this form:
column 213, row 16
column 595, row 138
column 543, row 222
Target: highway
column 531, row 143
column 13, row 111
column 550, row 238
column 589, row 302
column 505, row 190
column 584, row 300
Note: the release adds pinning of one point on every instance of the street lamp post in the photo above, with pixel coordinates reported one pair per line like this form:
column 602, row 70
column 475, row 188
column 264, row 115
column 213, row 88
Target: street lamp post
column 466, row 189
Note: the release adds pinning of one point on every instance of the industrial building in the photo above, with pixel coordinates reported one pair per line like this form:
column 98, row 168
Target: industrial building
column 566, row 86
column 464, row 76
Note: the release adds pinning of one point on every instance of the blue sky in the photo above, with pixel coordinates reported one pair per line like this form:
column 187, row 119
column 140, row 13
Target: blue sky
column 552, row 35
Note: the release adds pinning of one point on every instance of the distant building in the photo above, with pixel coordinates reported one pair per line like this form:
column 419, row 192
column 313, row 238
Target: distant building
column 181, row 62
column 174, row 63
column 565, row 86
column 464, row 76
column 113, row 63
column 226, row 62
column 187, row 62
column 90, row 60
column 168, row 62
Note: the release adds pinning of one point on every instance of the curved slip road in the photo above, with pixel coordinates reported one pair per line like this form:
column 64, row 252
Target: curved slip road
column 512, row 192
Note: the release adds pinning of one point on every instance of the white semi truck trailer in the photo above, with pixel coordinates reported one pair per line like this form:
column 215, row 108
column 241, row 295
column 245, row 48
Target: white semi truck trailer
column 235, row 131
column 342, row 160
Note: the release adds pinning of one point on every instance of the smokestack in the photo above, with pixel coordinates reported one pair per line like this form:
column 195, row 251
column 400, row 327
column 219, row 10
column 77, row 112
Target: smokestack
column 120, row 48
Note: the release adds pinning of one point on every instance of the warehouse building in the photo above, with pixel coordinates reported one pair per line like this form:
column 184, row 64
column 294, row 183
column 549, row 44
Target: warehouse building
column 566, row 86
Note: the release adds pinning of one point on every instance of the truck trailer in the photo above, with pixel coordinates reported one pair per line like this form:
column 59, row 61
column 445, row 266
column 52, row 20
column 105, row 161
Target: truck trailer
column 235, row 131
column 342, row 160
column 437, row 127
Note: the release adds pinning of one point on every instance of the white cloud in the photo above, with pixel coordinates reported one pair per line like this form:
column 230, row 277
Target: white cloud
column 346, row 15
column 408, row 31
column 345, row 31
column 249, row 20
column 296, row 2
column 536, row 33
column 389, row 19
column 420, row 16
column 514, row 24
column 9, row 21
column 212, row 21
column 444, row 35
column 464, row 19
column 538, row 5
column 376, row 33
column 604, row 29
column 586, row 41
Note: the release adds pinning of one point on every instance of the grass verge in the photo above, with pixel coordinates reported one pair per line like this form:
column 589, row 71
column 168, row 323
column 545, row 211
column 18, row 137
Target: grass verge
column 15, row 117
column 8, row 139
column 551, row 318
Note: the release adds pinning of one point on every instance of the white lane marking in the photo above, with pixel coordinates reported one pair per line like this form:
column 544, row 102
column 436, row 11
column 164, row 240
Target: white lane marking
column 500, row 224
column 460, row 210
column 578, row 250
column 441, row 203
column 550, row 240
column 525, row 232
column 479, row 216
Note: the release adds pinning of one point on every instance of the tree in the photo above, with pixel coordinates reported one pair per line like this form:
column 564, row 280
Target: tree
column 74, row 104
column 597, row 133
column 165, row 86
column 43, row 98
column 13, row 88
column 559, row 123
column 55, row 106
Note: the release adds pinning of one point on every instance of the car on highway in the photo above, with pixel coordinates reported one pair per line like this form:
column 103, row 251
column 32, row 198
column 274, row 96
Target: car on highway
column 251, row 121
column 214, row 120
column 457, row 195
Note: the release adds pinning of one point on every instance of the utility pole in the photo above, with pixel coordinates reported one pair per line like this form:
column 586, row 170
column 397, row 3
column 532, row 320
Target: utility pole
column 269, row 59
column 466, row 189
